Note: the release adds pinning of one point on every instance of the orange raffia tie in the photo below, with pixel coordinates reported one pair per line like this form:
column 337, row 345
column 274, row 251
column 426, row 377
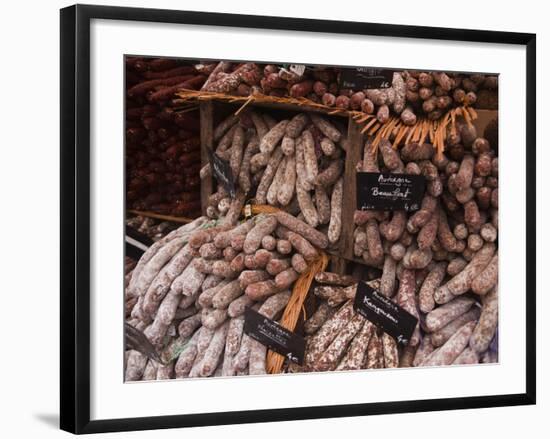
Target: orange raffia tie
column 275, row 361
column 473, row 113
column 368, row 125
column 410, row 133
column 453, row 122
column 400, row 134
column 425, row 132
column 467, row 117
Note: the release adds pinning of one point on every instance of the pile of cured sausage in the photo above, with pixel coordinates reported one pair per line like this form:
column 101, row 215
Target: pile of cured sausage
column 462, row 331
column 439, row 263
column 162, row 143
column 410, row 94
column 294, row 164
column 189, row 291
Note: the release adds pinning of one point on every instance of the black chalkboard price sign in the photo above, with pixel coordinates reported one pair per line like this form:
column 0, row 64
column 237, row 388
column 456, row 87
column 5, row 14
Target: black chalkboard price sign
column 384, row 313
column 274, row 336
column 363, row 78
column 385, row 191
column 222, row 172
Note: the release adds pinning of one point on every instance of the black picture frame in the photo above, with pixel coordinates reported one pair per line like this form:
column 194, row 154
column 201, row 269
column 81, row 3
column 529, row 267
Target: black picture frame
column 75, row 217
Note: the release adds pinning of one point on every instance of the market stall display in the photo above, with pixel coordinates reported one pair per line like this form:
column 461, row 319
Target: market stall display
column 282, row 154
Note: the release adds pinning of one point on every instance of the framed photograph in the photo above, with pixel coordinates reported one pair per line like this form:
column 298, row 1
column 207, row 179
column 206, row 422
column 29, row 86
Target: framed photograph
column 278, row 218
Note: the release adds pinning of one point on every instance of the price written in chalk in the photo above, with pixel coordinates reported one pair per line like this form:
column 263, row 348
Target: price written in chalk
column 384, row 191
column 363, row 78
column 384, row 313
column 274, row 336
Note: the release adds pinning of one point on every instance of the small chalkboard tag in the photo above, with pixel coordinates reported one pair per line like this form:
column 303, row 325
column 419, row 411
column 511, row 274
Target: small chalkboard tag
column 299, row 69
column 363, row 78
column 384, row 313
column 222, row 172
column 385, row 191
column 274, row 336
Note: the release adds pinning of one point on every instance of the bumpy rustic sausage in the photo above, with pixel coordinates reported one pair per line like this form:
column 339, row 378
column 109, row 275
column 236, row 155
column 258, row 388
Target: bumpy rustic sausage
column 268, row 175
column 319, row 317
column 355, row 356
column 375, row 353
column 275, row 134
column 462, row 282
column 442, row 335
column 374, row 243
column 302, row 246
column 329, row 278
column 467, row 356
column 205, row 298
column 444, row 233
column 330, row 292
column 237, row 307
column 307, row 207
column 261, row 290
column 227, row 294
column 188, row 282
column 330, row 174
column 234, row 211
column 276, row 183
column 335, row 225
column 223, row 239
column 431, row 282
column 237, row 150
column 187, row 357
column 276, row 266
column 257, row 360
column 393, row 230
column 465, row 173
column 310, row 159
column 387, row 281
column 296, row 125
column 286, row 278
column 326, row 127
column 487, row 324
column 286, row 189
column 448, row 353
column 428, row 232
column 264, row 226
column 269, row 243
column 456, row 265
column 424, row 350
column 315, row 237
column 214, row 351
column 188, row 326
column 487, row 279
column 422, row 216
column 444, row 314
column 298, row 263
column 391, row 157
column 288, row 146
column 328, row 332
column 389, row 346
column 329, row 359
column 322, row 204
